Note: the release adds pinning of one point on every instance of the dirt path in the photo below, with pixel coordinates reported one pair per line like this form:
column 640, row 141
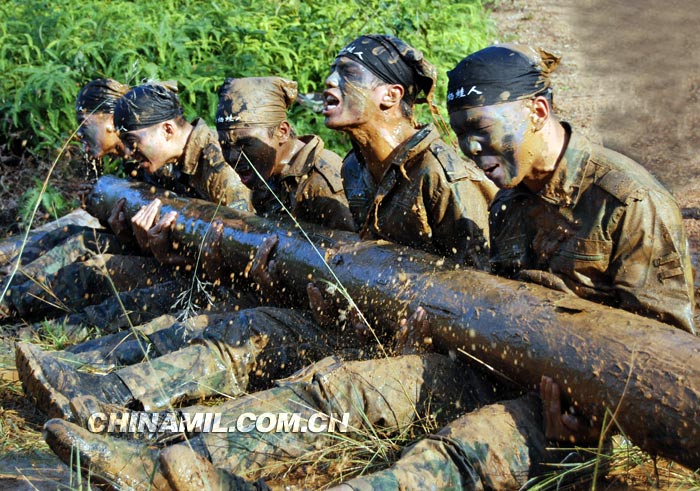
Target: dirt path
column 629, row 78
column 630, row 75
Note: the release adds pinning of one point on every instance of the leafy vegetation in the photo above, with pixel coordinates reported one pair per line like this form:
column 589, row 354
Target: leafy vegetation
column 52, row 202
column 49, row 49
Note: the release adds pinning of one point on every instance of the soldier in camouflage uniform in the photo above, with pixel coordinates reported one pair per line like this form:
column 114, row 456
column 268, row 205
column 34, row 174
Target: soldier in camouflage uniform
column 260, row 144
column 570, row 214
column 267, row 343
column 186, row 156
column 497, row 446
column 409, row 187
column 387, row 394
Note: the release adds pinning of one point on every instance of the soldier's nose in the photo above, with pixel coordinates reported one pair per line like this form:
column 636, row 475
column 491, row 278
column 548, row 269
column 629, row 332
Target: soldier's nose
column 332, row 79
column 474, row 147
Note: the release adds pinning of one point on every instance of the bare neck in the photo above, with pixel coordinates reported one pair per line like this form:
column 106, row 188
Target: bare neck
column 551, row 148
column 377, row 141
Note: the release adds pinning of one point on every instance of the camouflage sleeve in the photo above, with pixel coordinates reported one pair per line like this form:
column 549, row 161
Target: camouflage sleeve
column 650, row 264
column 458, row 217
column 318, row 203
column 224, row 184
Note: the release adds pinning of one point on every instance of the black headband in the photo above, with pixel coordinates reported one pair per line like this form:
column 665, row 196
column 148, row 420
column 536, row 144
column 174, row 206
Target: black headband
column 146, row 105
column 100, row 96
column 499, row 74
column 394, row 62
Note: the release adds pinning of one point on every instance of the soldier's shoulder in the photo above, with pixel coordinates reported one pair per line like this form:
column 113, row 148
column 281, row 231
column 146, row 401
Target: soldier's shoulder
column 328, row 165
column 622, row 177
column 455, row 167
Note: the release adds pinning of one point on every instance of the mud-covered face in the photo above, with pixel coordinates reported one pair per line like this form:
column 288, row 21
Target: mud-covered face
column 97, row 135
column 349, row 98
column 499, row 139
column 147, row 147
column 245, row 146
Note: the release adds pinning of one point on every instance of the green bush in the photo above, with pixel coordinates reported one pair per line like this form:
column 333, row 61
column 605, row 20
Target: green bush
column 48, row 49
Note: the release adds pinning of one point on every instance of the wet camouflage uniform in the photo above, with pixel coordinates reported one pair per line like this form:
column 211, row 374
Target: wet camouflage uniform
column 385, row 395
column 606, row 227
column 495, row 447
column 203, row 173
column 253, row 346
column 310, row 187
column 429, row 198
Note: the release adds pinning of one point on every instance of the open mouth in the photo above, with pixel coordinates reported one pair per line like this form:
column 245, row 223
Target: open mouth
column 330, row 102
column 245, row 172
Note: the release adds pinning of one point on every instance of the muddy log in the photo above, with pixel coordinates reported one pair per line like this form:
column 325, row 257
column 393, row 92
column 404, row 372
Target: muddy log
column 645, row 372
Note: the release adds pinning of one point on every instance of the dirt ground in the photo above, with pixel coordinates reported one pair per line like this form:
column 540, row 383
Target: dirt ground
column 630, row 78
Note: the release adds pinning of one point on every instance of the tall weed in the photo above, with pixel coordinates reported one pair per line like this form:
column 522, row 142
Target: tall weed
column 67, row 43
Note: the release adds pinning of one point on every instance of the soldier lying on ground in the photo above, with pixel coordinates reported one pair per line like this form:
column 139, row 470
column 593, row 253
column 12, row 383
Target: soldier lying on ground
column 403, row 182
column 199, row 362
column 452, row 190
column 386, row 392
column 186, row 155
column 84, row 288
column 465, row 454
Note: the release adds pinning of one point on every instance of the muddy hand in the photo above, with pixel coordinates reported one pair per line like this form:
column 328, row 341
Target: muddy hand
column 544, row 278
column 321, row 307
column 562, row 426
column 261, row 268
column 119, row 224
column 212, row 259
column 413, row 335
column 142, row 222
column 159, row 237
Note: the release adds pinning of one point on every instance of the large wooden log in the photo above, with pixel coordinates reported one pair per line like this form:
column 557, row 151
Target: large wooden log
column 645, row 372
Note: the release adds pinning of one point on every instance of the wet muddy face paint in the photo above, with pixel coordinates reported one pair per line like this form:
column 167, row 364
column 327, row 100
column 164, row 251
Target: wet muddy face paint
column 349, row 93
column 97, row 135
column 147, row 147
column 249, row 144
column 499, row 139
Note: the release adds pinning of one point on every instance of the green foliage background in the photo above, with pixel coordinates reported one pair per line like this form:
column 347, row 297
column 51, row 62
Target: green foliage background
column 49, row 49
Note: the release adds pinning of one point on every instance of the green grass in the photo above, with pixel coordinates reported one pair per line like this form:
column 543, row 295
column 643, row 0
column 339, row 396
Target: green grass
column 49, row 49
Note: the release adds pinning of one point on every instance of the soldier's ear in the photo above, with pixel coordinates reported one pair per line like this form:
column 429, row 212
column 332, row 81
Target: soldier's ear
column 391, row 96
column 283, row 132
column 539, row 111
column 168, row 129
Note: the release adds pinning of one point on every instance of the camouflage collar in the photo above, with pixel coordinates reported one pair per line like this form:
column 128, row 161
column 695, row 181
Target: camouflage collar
column 569, row 178
column 304, row 160
column 414, row 145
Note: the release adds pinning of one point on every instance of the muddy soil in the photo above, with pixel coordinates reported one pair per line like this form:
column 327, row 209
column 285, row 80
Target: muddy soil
column 630, row 78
